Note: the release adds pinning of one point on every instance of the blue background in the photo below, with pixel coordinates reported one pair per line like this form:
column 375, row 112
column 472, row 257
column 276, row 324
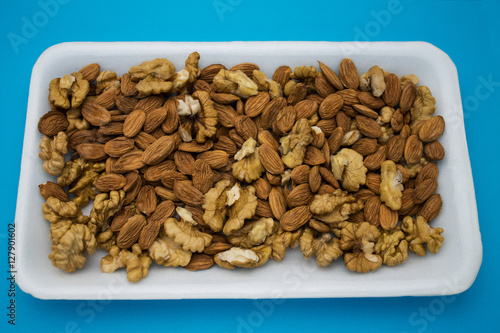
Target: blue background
column 467, row 30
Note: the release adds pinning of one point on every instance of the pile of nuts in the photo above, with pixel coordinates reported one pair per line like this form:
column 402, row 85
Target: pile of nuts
column 229, row 166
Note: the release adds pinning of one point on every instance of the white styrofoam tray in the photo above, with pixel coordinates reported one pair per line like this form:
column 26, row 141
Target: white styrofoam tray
column 451, row 271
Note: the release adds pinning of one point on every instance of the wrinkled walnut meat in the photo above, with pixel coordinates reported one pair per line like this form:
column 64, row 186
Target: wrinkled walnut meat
column 232, row 166
column 52, row 152
column 69, row 91
column 136, row 262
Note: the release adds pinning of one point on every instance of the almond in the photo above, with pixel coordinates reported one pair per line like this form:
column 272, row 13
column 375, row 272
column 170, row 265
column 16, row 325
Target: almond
column 266, row 138
column 166, row 194
column 270, row 111
column 154, row 173
column 226, row 113
column 416, row 128
column 110, row 182
column 395, row 148
column 194, row 147
column 183, row 162
column 298, row 93
column 364, row 194
column 282, row 75
column 263, row 209
column 313, row 156
column 408, row 95
column 262, row 188
column 397, row 120
column 143, row 140
column 431, row 129
column 271, row 160
column 327, row 126
column 300, row 174
column 118, row 146
column 365, row 111
column 366, row 146
column 130, row 232
column 160, row 149
column 199, row 261
column 314, row 179
column 91, row 151
column 372, row 210
column 405, row 174
column 95, row 114
column 107, row 98
column 217, row 247
column 127, row 87
column 431, row 208
column 306, row 108
column 368, row 127
column 388, row 217
column 223, row 98
column 125, row 104
column 434, row 151
column 90, row 72
column 51, row 189
column 238, row 140
column 405, row 131
column 134, row 122
column 331, row 76
column 373, row 182
column 318, row 137
column 132, row 193
column 155, row 119
column 216, row 159
column 429, row 171
column 150, row 103
column 284, row 120
column 187, row 193
column 329, row 177
column 424, row 190
column 348, row 74
column 203, row 177
column 323, row 87
column 325, row 188
column 132, row 178
column 407, row 203
column 146, row 200
column 208, row 73
column 52, row 123
column 413, row 149
column 350, row 96
column 162, row 212
column 343, row 121
column 245, row 127
column 154, row 223
column 373, row 161
column 277, row 202
column 392, row 92
column 319, row 226
column 299, row 196
column 171, row 122
column 111, row 129
column 245, row 67
column 330, row 106
column 295, row 218
column 148, row 235
column 367, row 99
column 120, row 218
column 169, row 177
column 227, row 145
column 335, row 139
column 82, row 136
column 256, row 104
